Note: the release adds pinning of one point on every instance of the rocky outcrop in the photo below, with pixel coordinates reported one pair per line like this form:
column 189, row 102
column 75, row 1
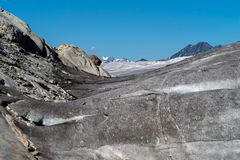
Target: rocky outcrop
column 74, row 57
column 95, row 60
column 29, row 73
column 28, row 63
column 15, row 30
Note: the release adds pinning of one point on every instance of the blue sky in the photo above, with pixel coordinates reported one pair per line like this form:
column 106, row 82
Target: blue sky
column 151, row 29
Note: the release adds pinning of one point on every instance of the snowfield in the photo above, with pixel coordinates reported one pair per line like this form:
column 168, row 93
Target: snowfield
column 127, row 68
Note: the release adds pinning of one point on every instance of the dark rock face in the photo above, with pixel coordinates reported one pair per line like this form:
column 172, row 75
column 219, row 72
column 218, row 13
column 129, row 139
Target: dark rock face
column 95, row 60
column 189, row 110
column 191, row 50
column 142, row 60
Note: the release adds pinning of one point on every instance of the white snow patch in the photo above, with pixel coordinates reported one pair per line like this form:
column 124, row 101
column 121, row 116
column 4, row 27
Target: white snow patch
column 125, row 152
column 109, row 152
column 189, row 88
column 105, row 58
column 203, row 86
column 55, row 121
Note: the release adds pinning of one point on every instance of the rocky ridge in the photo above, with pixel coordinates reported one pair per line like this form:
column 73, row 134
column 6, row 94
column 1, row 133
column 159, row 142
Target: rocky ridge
column 15, row 30
column 191, row 50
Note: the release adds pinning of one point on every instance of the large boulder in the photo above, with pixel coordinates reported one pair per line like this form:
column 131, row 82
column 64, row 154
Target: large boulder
column 97, row 61
column 75, row 57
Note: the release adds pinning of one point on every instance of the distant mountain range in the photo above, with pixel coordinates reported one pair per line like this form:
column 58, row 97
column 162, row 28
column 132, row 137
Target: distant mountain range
column 189, row 50
column 111, row 59
column 192, row 50
column 123, row 68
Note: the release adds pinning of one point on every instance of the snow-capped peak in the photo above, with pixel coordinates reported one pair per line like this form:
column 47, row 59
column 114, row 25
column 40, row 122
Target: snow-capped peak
column 111, row 59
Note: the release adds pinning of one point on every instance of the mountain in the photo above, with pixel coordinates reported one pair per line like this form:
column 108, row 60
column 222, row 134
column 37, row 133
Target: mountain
column 142, row 60
column 191, row 50
column 111, row 59
column 51, row 109
column 107, row 59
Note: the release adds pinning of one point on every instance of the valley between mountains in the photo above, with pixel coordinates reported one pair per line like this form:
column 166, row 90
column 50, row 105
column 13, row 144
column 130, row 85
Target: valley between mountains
column 62, row 104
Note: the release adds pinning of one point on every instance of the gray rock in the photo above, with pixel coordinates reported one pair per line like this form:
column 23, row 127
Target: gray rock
column 31, row 74
column 10, row 147
column 15, row 30
column 74, row 57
